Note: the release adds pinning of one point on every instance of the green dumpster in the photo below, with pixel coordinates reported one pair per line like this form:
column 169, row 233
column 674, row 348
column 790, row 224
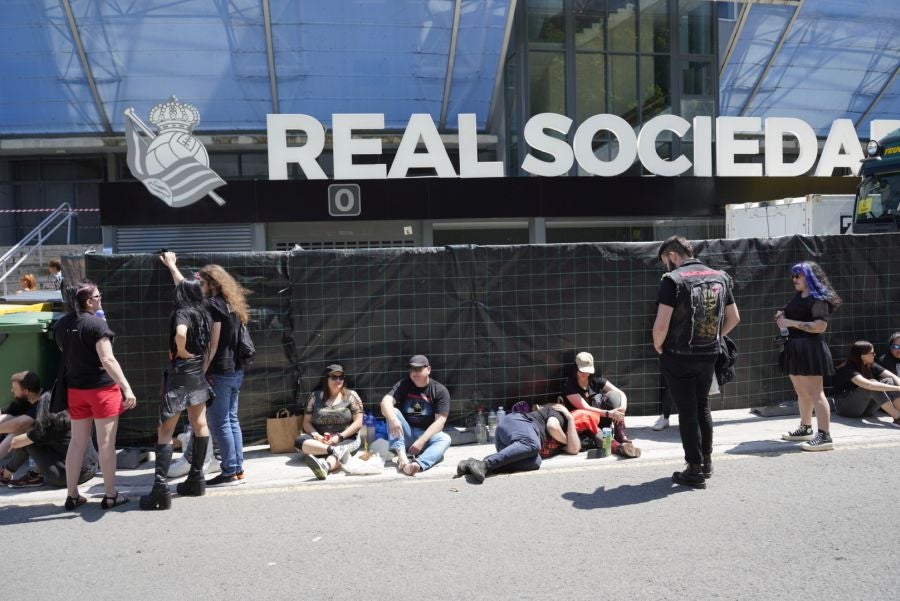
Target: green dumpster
column 26, row 343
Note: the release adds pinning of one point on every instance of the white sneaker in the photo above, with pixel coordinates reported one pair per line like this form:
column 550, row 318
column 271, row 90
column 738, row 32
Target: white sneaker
column 661, row 424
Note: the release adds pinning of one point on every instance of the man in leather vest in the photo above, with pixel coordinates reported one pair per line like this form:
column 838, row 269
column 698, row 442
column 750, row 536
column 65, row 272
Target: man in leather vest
column 695, row 309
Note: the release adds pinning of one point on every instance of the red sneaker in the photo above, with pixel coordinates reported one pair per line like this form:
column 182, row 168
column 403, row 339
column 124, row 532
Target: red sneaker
column 29, row 480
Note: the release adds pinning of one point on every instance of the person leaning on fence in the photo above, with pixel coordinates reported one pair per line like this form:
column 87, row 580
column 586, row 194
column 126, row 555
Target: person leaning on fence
column 184, row 387
column 45, row 442
column 523, row 439
column 416, row 423
column 695, row 308
column 806, row 358
column 96, row 387
column 227, row 304
column 861, row 386
column 331, row 423
column 589, row 392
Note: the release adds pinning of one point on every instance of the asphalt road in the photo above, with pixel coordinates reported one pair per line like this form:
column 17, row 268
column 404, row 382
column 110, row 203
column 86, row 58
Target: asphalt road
column 775, row 526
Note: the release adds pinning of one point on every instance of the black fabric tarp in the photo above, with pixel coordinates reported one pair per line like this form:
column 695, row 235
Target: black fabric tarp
column 500, row 323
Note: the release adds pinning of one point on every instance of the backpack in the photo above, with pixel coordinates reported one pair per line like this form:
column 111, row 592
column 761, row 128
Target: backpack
column 244, row 349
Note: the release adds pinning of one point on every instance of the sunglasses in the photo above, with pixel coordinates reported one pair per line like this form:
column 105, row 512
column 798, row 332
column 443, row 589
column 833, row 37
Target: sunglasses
column 98, row 296
column 796, row 276
column 336, row 378
column 895, row 347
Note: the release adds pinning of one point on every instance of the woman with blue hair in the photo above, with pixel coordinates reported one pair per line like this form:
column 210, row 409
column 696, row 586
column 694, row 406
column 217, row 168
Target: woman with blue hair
column 806, row 358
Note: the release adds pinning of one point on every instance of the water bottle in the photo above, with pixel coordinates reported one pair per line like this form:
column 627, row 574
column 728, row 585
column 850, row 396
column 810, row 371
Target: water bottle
column 381, row 429
column 784, row 332
column 481, row 434
column 606, row 450
column 501, row 413
column 101, row 314
column 492, row 425
column 369, row 422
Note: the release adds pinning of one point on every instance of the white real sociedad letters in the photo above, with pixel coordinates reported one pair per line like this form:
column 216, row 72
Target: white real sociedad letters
column 735, row 136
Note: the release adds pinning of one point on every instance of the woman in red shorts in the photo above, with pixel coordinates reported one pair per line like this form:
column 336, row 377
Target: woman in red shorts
column 97, row 389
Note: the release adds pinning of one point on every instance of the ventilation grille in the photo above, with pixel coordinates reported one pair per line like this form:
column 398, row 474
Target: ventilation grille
column 185, row 238
column 332, row 244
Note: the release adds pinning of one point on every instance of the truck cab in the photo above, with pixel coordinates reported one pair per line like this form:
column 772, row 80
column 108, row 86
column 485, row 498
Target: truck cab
column 877, row 206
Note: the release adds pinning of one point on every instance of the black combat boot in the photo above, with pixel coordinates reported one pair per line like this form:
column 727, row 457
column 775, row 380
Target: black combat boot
column 160, row 497
column 195, row 485
column 692, row 476
column 706, row 466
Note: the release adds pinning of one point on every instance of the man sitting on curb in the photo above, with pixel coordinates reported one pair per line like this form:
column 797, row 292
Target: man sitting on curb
column 45, row 442
column 522, row 439
column 416, row 424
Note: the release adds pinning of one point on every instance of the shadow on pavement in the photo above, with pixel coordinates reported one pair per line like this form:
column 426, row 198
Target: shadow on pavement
column 772, row 448
column 628, row 494
column 30, row 514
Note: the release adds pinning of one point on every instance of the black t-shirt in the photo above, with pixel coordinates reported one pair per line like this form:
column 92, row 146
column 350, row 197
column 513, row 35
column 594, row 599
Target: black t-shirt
column 183, row 318
column 22, row 407
column 596, row 384
column 77, row 334
column 540, row 418
column 420, row 405
column 806, row 310
column 223, row 359
column 842, row 381
column 888, row 362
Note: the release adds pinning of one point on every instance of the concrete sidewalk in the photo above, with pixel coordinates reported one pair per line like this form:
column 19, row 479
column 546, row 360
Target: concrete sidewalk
column 737, row 432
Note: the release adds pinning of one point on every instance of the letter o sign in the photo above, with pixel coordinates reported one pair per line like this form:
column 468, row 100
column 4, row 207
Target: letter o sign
column 344, row 200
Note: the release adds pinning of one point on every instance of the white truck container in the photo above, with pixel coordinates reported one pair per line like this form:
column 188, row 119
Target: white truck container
column 811, row 215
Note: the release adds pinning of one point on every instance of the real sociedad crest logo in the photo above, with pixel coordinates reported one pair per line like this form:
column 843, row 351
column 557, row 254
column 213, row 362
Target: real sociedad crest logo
column 172, row 164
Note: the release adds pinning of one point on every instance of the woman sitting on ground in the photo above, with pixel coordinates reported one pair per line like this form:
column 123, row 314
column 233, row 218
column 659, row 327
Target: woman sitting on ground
column 331, row 421
column 861, row 386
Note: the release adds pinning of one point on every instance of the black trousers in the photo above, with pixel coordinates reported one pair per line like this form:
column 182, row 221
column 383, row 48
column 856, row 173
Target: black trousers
column 688, row 380
column 51, row 462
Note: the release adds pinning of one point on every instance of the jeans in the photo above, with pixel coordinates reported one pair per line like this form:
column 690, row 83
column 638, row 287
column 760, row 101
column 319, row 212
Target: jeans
column 518, row 446
column 222, row 415
column 688, row 380
column 434, row 449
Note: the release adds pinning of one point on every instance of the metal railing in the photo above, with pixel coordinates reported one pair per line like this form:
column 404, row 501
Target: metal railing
column 61, row 215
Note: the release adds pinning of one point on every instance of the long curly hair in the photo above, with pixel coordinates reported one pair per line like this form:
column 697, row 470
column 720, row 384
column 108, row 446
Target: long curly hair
column 817, row 282
column 854, row 357
column 220, row 282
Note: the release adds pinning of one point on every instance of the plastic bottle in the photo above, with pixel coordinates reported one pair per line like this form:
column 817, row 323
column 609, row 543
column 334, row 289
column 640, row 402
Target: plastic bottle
column 492, row 425
column 606, row 450
column 101, row 314
column 501, row 413
column 381, row 429
column 784, row 332
column 481, row 434
column 369, row 422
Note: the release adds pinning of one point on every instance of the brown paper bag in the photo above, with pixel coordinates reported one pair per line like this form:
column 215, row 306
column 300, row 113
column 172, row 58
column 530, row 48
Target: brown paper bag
column 281, row 431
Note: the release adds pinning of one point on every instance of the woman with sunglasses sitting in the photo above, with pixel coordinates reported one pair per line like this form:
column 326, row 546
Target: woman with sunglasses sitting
column 861, row 385
column 331, row 421
column 806, row 358
column 891, row 359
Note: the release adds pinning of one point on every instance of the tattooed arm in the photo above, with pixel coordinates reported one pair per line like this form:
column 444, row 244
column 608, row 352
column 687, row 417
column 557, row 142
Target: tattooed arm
column 813, row 327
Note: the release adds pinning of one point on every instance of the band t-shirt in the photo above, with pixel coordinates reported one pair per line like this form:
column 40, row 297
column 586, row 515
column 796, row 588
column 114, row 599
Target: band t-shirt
column 842, row 381
column 22, row 407
column 420, row 405
column 596, row 384
column 77, row 335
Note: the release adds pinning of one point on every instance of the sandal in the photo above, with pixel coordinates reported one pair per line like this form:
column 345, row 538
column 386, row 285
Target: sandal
column 73, row 503
column 113, row 501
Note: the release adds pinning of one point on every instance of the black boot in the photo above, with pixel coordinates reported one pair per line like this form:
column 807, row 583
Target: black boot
column 195, row 485
column 706, row 466
column 692, row 476
column 478, row 470
column 160, row 497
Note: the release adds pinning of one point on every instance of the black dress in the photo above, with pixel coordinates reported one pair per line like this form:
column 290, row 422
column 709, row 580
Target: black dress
column 805, row 353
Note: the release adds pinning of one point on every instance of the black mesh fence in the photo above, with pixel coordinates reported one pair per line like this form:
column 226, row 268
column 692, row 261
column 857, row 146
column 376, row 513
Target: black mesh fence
column 499, row 323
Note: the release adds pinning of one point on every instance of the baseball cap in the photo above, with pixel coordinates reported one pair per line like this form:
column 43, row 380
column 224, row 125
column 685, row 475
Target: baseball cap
column 334, row 367
column 419, row 361
column 585, row 362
